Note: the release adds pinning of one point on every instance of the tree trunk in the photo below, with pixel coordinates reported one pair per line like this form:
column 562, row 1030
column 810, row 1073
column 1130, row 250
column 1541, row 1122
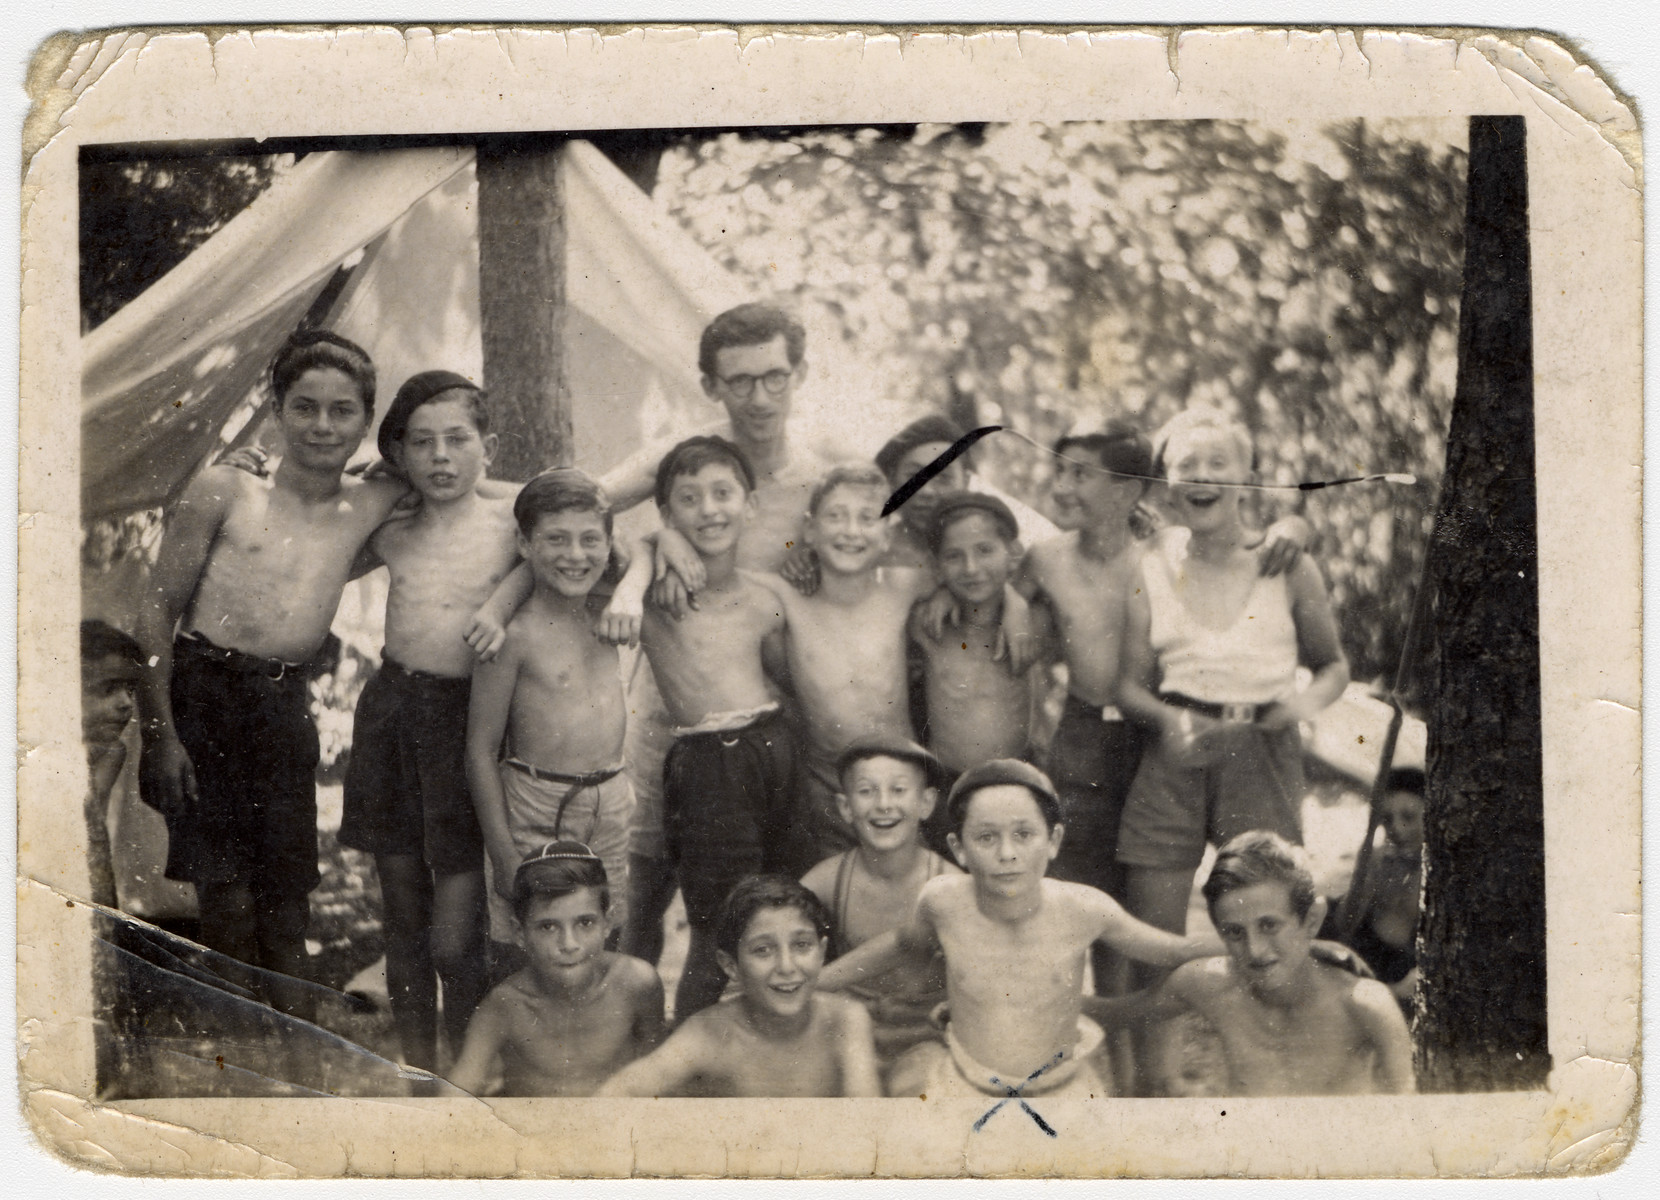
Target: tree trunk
column 1481, row 1004
column 521, row 285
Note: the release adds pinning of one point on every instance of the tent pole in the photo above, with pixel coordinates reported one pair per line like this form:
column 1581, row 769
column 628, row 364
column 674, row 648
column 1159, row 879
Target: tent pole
column 521, row 268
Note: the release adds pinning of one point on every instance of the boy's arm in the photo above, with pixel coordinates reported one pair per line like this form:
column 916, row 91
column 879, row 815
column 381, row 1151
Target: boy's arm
column 486, row 1032
column 619, row 624
column 488, row 629
column 1380, row 1017
column 1318, row 647
column 492, row 696
column 914, row 940
column 857, row 1052
column 1141, row 1008
column 1143, row 942
column 666, row 1069
column 166, row 776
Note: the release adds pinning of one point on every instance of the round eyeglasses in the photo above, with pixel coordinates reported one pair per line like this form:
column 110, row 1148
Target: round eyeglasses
column 743, row 386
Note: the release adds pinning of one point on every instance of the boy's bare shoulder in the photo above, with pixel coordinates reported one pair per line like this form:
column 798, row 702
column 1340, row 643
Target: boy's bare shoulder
column 841, row 1013
column 947, row 891
column 1367, row 999
column 1201, row 979
column 632, row 974
column 821, row 880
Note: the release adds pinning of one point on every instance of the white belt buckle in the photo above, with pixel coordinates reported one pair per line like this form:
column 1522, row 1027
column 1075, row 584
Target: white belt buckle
column 1239, row 714
column 1110, row 712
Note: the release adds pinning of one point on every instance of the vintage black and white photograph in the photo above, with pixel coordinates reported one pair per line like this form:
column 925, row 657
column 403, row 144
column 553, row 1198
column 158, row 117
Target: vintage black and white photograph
column 1015, row 611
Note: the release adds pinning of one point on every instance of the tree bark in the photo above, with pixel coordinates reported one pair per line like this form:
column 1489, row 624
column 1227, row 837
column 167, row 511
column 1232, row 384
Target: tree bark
column 521, row 279
column 1481, row 1020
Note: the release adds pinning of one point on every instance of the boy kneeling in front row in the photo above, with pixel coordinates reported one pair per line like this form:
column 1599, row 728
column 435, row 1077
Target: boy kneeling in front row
column 1014, row 946
column 1290, row 1025
column 779, row 1036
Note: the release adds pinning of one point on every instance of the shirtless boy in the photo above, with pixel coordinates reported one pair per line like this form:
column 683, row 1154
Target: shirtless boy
column 406, row 798
column 248, row 577
column 545, row 724
column 751, row 359
column 1289, row 1025
column 727, row 777
column 577, row 1013
column 845, row 645
column 1014, row 945
column 778, row 1036
column 888, row 789
column 978, row 708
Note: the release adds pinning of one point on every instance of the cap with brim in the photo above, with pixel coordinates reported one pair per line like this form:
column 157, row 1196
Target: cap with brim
column 952, row 507
column 416, row 391
column 1002, row 771
column 892, row 746
column 920, row 432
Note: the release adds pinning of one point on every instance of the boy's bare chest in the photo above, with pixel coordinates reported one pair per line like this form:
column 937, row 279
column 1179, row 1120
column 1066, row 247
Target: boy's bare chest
column 801, row 1066
column 556, row 1033
column 268, row 534
column 994, row 962
column 1269, row 1047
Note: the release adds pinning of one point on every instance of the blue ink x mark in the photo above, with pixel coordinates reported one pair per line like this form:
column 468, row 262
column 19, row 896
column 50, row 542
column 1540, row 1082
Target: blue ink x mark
column 1014, row 1094
column 921, row 479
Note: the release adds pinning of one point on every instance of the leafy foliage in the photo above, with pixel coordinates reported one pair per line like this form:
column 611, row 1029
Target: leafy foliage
column 1037, row 277
column 141, row 218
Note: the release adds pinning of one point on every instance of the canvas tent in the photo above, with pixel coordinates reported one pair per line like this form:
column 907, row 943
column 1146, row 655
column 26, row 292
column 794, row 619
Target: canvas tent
column 175, row 376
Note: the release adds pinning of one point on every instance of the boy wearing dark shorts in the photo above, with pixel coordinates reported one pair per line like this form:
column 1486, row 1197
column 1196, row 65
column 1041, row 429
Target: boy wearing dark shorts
column 727, row 775
column 407, row 800
column 248, row 577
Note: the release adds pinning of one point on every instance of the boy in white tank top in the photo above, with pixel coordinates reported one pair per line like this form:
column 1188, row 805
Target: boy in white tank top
column 1211, row 653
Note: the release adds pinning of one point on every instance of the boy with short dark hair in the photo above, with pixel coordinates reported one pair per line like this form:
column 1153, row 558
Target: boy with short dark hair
column 778, row 1036
column 406, row 795
column 889, row 788
column 577, row 1013
column 977, row 708
column 111, row 667
column 727, row 777
column 1290, row 1025
column 248, row 578
column 545, row 723
column 1384, row 902
column 1014, row 945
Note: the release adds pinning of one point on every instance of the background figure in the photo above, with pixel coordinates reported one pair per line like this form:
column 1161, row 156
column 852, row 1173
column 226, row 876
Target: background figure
column 111, row 666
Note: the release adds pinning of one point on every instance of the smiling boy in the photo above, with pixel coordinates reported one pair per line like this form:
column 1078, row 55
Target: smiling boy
column 1290, row 1025
column 577, row 1012
column 727, row 776
column 778, row 1036
column 888, row 791
column 552, row 700
column 245, row 586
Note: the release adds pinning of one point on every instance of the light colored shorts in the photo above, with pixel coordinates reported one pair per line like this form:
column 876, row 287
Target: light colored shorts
column 944, row 1068
column 597, row 815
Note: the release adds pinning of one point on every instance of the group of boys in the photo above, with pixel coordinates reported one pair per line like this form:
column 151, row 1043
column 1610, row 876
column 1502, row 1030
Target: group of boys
column 801, row 647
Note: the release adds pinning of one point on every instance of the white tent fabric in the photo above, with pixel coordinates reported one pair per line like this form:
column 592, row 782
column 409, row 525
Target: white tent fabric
column 159, row 378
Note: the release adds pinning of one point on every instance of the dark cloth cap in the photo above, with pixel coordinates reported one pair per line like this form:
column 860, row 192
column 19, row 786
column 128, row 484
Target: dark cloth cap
column 957, row 503
column 416, row 391
column 932, row 428
column 887, row 745
column 1002, row 771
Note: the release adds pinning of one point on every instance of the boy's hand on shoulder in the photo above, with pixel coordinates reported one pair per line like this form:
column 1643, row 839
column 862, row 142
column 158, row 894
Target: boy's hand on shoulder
column 671, row 594
column 936, row 611
column 619, row 624
column 1016, row 634
column 1336, row 954
column 1145, row 520
column 252, row 459
column 800, row 570
column 1282, row 544
column 676, row 556
column 485, row 635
